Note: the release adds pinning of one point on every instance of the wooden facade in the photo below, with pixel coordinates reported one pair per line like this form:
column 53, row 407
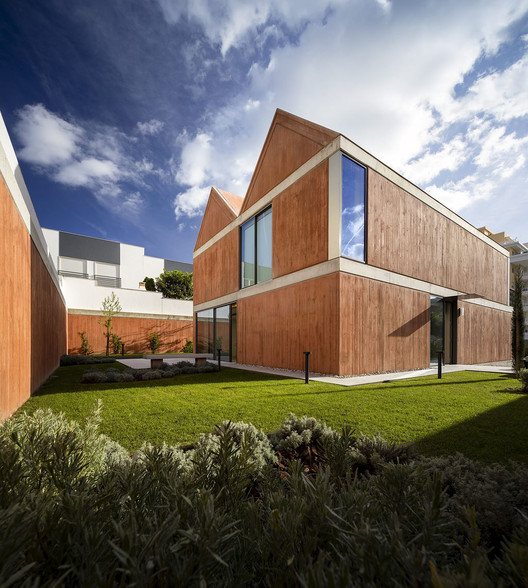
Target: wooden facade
column 355, row 318
column 133, row 331
column 32, row 312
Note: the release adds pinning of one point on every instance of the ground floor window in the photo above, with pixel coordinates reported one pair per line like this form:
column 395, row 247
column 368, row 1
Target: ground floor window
column 216, row 329
column 443, row 329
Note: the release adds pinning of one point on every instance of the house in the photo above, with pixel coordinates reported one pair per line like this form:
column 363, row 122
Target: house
column 332, row 252
column 518, row 258
column 90, row 269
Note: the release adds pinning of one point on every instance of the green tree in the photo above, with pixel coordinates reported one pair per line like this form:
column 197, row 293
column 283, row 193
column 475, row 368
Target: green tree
column 109, row 308
column 154, row 341
column 150, row 284
column 175, row 284
column 518, row 322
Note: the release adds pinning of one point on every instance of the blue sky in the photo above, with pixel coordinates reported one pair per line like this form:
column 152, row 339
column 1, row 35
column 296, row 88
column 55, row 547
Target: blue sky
column 123, row 113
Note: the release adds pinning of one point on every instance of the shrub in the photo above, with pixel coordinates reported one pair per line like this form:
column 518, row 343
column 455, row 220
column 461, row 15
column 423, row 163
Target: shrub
column 117, row 343
column 67, row 360
column 94, row 377
column 295, row 432
column 152, row 375
column 523, row 378
column 153, row 341
column 175, row 284
column 188, row 347
column 86, row 348
column 150, row 285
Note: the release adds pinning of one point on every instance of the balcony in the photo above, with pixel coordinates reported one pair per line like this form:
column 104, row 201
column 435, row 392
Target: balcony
column 108, row 281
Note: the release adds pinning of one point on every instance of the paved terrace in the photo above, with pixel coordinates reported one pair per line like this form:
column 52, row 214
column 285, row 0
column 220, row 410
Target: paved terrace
column 498, row 368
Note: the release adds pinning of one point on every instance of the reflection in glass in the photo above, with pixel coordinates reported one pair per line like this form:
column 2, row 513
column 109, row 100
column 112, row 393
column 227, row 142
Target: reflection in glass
column 204, row 331
column 437, row 328
column 248, row 253
column 353, row 210
column 222, row 331
column 264, row 246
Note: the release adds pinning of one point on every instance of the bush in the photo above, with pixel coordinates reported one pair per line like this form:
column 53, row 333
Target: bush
column 296, row 432
column 67, row 360
column 153, row 341
column 94, row 377
column 188, row 347
column 167, row 370
column 523, row 378
column 86, row 348
column 150, row 285
column 76, row 510
column 117, row 343
column 175, row 284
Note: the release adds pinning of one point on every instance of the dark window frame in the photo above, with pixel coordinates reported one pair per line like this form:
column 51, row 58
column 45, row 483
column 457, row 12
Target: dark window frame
column 255, row 270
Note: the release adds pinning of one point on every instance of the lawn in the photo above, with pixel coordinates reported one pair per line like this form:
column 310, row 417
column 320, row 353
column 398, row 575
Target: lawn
column 476, row 413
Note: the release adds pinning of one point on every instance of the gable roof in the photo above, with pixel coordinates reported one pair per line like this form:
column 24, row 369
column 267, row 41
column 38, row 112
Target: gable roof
column 222, row 208
column 291, row 141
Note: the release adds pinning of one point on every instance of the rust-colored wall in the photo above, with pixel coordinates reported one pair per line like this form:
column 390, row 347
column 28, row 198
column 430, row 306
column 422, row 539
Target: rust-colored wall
column 274, row 328
column 300, row 223
column 483, row 334
column 408, row 237
column 290, row 143
column 32, row 314
column 48, row 322
column 217, row 215
column 215, row 271
column 382, row 327
column 133, row 332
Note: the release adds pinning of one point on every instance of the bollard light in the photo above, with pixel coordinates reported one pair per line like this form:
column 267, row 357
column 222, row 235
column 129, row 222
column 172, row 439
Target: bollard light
column 307, row 366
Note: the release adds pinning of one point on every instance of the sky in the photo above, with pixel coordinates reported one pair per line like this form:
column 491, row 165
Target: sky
column 124, row 113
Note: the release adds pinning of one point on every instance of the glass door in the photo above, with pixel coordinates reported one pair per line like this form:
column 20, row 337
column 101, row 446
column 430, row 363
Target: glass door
column 437, row 328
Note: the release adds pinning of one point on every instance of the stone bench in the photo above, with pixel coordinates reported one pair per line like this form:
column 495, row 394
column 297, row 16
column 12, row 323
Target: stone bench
column 157, row 360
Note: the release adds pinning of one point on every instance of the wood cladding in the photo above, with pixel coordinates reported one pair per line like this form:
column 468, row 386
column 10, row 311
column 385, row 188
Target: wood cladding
column 32, row 314
column 274, row 328
column 408, row 237
column 217, row 215
column 300, row 223
column 383, row 327
column 291, row 141
column 215, row 271
column 133, row 331
column 483, row 334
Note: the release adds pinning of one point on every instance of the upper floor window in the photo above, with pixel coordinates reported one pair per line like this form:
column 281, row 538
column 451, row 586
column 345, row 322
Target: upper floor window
column 353, row 210
column 255, row 249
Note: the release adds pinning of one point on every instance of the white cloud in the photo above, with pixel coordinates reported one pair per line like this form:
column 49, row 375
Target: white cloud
column 385, row 76
column 47, row 139
column 81, row 155
column 191, row 202
column 152, row 127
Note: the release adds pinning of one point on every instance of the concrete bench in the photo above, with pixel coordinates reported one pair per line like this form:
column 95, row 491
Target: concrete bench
column 157, row 360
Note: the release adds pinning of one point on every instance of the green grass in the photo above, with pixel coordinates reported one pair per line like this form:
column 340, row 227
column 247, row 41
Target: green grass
column 478, row 414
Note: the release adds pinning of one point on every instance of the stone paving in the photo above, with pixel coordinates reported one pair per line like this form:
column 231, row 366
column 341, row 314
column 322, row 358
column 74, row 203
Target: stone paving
column 138, row 363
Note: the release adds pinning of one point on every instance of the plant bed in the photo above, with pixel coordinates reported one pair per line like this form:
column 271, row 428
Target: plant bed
column 67, row 360
column 166, row 370
column 78, row 510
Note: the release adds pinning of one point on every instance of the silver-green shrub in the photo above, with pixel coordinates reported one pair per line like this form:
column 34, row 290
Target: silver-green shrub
column 93, row 377
column 295, row 432
column 523, row 378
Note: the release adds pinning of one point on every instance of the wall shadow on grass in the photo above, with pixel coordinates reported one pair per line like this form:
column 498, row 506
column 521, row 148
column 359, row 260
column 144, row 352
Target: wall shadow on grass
column 496, row 435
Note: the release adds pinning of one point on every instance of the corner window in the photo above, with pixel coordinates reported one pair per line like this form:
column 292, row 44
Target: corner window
column 353, row 210
column 255, row 250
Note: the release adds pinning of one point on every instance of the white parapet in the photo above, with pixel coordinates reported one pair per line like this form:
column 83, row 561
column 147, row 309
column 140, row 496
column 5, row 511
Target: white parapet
column 85, row 296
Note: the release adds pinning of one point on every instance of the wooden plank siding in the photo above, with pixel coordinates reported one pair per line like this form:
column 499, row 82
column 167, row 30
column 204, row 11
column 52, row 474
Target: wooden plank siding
column 274, row 328
column 134, row 332
column 32, row 314
column 382, row 327
column 217, row 215
column 215, row 271
column 408, row 237
column 483, row 334
column 300, row 223
column 291, row 141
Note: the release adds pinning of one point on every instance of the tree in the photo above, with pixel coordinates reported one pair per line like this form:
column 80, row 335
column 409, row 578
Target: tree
column 175, row 284
column 150, row 284
column 518, row 323
column 109, row 308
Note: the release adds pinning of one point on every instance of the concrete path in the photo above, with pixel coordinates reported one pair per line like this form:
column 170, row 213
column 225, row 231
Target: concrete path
column 341, row 381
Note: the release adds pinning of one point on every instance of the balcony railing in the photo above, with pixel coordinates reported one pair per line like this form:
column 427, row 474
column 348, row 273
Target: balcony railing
column 108, row 281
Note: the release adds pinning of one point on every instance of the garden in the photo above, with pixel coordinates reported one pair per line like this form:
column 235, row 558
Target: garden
column 210, row 479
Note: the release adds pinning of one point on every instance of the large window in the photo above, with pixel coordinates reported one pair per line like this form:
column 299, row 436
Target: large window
column 255, row 249
column 216, row 329
column 353, row 210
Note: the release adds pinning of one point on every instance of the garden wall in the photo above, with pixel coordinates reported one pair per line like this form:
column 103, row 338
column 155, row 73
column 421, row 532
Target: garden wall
column 32, row 309
column 132, row 330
